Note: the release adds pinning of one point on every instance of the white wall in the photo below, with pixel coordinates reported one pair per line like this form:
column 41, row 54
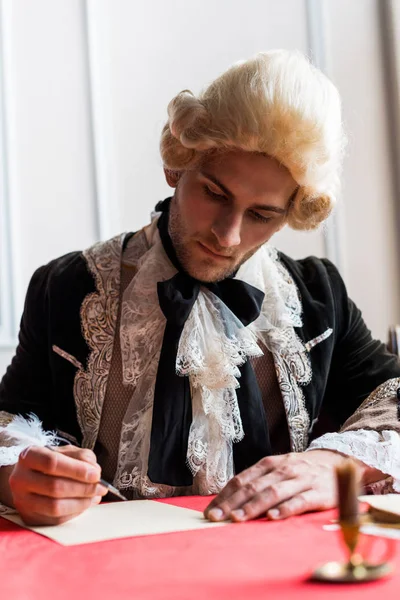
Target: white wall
column 50, row 176
column 147, row 62
column 65, row 82
column 371, row 234
column 149, row 66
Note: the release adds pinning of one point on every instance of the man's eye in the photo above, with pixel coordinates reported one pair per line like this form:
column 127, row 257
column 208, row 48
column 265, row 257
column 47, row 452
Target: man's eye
column 258, row 217
column 213, row 194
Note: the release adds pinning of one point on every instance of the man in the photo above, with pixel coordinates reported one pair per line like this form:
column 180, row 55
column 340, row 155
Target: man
column 191, row 357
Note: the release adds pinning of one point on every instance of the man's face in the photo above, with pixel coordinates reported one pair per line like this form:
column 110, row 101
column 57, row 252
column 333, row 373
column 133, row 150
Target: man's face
column 225, row 210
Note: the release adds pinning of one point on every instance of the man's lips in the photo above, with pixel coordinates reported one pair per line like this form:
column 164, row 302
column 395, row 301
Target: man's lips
column 212, row 253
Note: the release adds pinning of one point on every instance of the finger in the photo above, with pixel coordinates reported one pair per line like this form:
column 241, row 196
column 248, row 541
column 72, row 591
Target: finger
column 244, row 494
column 38, row 519
column 96, row 500
column 84, row 454
column 52, row 508
column 300, row 503
column 54, row 487
column 34, row 519
column 272, row 496
column 58, row 464
column 265, row 465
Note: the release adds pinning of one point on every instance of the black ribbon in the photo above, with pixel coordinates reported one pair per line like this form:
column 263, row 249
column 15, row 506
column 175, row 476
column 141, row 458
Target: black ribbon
column 172, row 409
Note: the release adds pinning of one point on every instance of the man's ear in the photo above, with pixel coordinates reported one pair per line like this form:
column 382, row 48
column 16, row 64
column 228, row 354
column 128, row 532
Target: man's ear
column 172, row 177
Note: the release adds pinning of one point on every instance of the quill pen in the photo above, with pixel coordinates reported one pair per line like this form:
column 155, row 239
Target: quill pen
column 29, row 432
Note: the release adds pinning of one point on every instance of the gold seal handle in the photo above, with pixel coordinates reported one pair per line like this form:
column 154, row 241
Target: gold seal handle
column 356, row 569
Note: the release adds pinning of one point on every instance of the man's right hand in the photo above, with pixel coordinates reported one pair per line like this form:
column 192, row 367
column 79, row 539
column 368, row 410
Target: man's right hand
column 49, row 488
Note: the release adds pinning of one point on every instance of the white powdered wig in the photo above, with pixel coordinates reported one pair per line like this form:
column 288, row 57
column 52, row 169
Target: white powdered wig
column 278, row 104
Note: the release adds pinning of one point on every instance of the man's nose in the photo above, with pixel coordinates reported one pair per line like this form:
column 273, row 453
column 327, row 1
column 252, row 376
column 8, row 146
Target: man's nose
column 227, row 230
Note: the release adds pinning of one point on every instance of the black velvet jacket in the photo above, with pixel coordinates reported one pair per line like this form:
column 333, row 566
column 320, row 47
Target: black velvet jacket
column 346, row 367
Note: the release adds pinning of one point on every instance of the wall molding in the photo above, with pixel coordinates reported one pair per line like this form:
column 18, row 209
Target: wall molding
column 389, row 19
column 318, row 46
column 108, row 214
column 7, row 291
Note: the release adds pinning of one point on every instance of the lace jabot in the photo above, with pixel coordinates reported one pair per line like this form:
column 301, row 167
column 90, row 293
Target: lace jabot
column 209, row 353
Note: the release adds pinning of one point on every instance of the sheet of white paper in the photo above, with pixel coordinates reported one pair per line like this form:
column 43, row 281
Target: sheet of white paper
column 386, row 532
column 122, row 519
column 387, row 502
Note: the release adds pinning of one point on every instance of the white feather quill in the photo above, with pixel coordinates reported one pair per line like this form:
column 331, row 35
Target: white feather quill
column 28, row 432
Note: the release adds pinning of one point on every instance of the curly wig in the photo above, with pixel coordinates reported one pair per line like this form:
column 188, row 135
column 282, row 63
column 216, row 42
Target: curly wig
column 278, row 104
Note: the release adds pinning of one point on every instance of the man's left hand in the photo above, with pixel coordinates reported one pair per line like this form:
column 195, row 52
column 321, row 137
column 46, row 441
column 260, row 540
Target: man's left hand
column 279, row 487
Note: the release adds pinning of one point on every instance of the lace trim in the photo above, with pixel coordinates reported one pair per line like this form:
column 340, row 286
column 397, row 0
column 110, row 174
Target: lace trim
column 20, row 433
column 5, row 418
column 9, row 451
column 67, row 356
column 8, row 456
column 281, row 313
column 275, row 328
column 317, row 340
column 385, row 486
column 291, row 372
column 98, row 319
column 212, row 346
column 141, row 332
column 6, row 510
column 379, row 450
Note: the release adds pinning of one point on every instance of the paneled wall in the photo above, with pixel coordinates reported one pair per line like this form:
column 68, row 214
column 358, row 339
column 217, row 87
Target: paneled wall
column 48, row 146
column 85, row 85
column 371, row 205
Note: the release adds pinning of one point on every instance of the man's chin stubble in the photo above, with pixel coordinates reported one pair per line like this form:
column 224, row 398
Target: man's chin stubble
column 203, row 270
column 206, row 273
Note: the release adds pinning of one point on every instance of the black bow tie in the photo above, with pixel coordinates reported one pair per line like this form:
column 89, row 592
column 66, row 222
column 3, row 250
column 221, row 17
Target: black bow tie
column 172, row 409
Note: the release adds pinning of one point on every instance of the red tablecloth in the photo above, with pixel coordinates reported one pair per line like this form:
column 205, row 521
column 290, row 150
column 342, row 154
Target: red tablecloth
column 255, row 560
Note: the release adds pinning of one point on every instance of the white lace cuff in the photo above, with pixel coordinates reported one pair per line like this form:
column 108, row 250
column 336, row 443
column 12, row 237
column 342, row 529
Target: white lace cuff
column 6, row 510
column 379, row 450
column 9, row 454
column 16, row 434
column 11, row 448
